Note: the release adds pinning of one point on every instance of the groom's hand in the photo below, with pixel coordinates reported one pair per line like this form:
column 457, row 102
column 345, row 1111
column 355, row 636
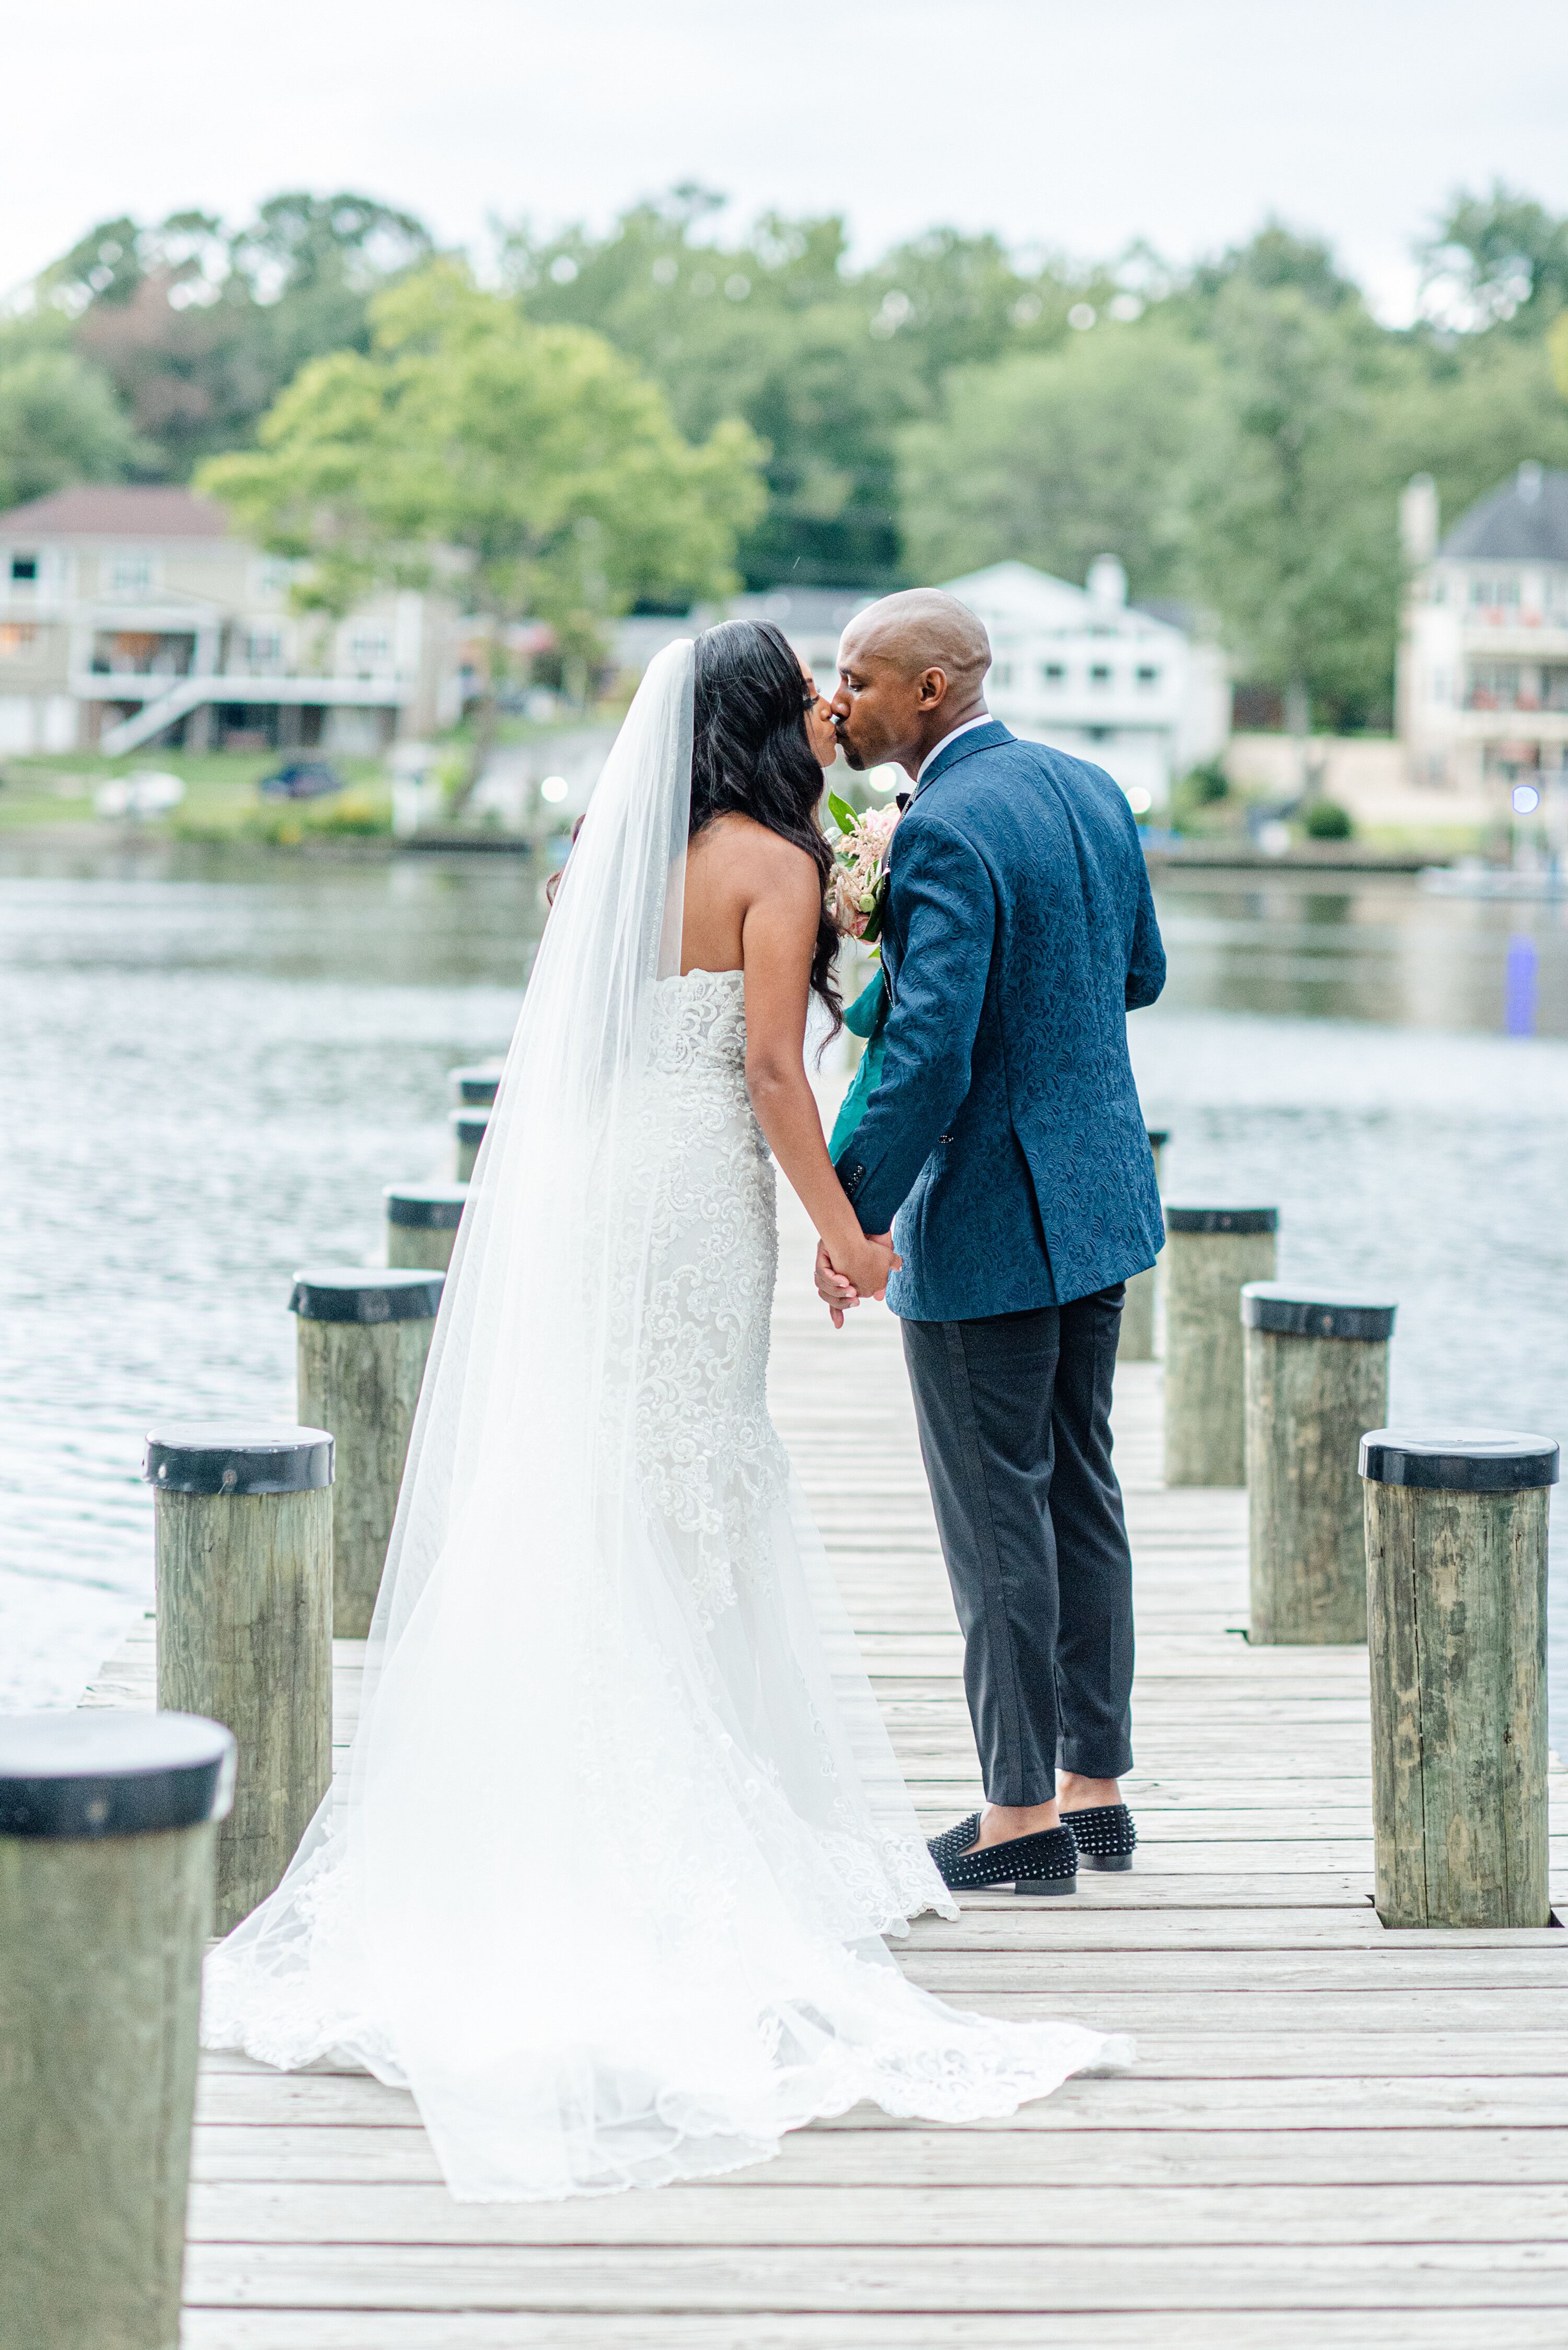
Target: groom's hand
column 836, row 1293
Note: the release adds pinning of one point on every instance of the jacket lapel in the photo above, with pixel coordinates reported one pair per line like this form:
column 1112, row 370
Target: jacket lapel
column 982, row 738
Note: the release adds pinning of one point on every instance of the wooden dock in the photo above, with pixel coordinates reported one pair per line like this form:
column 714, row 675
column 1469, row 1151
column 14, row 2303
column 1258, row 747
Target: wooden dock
column 1334, row 2134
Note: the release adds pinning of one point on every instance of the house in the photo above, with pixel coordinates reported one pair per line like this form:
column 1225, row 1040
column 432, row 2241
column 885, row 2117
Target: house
column 1132, row 687
column 1483, row 664
column 131, row 616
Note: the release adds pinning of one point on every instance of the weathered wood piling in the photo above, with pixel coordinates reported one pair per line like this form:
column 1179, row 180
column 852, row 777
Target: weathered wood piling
column 107, row 1827
column 1456, row 1563
column 468, row 1124
column 364, row 1334
column 245, row 1627
column 1316, row 1380
column 1136, row 1342
column 421, row 1223
column 1210, row 1254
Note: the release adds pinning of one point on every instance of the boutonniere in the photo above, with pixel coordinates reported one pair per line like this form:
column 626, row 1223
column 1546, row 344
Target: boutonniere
column 857, row 894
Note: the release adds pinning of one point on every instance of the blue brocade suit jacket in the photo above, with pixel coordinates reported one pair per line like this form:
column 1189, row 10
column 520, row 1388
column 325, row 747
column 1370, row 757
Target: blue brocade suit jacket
column 1005, row 1143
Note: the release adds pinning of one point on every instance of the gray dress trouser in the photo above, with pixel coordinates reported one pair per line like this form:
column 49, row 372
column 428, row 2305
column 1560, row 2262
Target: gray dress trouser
column 1014, row 1421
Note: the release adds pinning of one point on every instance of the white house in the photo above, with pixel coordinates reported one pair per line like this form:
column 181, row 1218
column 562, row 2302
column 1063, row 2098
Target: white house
column 1483, row 665
column 1083, row 669
column 133, row 615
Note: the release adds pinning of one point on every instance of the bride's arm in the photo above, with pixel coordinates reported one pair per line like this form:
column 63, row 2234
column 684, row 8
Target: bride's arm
column 778, row 937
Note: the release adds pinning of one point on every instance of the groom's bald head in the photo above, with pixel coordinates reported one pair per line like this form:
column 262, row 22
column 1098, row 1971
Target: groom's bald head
column 921, row 628
column 911, row 669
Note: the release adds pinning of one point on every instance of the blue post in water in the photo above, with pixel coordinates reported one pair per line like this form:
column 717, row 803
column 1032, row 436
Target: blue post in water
column 1518, row 986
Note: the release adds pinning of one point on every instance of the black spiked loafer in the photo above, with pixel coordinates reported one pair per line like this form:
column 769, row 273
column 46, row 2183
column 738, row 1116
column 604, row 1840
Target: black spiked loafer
column 1105, row 1837
column 1046, row 1863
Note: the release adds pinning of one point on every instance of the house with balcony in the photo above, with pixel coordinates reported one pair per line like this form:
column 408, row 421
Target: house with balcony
column 133, row 616
column 1137, row 690
column 1483, row 661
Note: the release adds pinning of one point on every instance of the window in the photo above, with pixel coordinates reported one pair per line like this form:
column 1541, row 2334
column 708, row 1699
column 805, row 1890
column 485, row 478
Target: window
column 17, row 639
column 1001, row 674
column 369, row 651
column 263, row 648
column 1147, row 675
column 1053, row 672
column 1491, row 593
column 24, row 569
column 129, row 575
column 1099, row 673
column 1554, row 688
column 1494, row 685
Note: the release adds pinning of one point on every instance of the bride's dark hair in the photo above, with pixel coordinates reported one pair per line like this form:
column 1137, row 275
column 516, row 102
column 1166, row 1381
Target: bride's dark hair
column 750, row 756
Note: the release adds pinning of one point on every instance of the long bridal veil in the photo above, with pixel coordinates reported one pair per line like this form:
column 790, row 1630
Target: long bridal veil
column 601, row 1882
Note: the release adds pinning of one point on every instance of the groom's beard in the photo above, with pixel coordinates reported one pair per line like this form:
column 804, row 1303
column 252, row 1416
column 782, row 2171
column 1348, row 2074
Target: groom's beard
column 852, row 756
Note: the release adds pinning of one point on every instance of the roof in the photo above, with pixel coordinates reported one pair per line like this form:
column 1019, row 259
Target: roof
column 118, row 510
column 809, row 611
column 1526, row 520
column 1016, row 595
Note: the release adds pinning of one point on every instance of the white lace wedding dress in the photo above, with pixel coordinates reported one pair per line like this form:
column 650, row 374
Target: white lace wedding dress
column 605, row 1881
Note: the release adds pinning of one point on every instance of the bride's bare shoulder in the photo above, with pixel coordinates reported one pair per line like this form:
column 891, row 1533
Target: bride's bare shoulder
column 749, row 855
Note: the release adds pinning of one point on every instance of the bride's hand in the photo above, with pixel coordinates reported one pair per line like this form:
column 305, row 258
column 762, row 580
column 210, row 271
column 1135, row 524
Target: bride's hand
column 864, row 1263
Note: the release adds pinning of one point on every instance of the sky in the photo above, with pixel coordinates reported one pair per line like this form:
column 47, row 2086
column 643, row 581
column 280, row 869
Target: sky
column 1075, row 128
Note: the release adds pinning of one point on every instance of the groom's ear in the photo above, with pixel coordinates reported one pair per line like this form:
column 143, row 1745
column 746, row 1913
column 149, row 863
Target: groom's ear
column 933, row 687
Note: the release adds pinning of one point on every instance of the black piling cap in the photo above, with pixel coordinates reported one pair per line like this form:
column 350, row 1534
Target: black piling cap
column 215, row 1456
column 469, row 1123
column 111, row 1773
column 356, row 1293
column 1159, row 1136
column 426, row 1207
column 1459, row 1460
column 1296, row 1313
column 477, row 1083
column 1221, row 1220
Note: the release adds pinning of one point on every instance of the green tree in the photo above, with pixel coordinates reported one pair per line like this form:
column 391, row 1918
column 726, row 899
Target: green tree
column 1057, row 458
column 1498, row 258
column 1473, row 408
column 535, row 463
column 1293, row 509
column 199, row 328
column 59, row 418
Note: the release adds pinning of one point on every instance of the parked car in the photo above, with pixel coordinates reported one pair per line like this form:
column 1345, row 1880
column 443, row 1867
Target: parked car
column 302, row 779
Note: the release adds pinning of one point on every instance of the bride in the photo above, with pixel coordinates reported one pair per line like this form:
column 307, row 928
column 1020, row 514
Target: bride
column 605, row 1877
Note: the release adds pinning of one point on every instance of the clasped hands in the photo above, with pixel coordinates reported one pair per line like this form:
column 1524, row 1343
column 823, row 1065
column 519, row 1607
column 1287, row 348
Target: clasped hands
column 852, row 1272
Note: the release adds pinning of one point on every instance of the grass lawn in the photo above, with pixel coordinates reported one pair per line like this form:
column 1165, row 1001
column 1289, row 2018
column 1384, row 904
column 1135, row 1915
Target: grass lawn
column 220, row 802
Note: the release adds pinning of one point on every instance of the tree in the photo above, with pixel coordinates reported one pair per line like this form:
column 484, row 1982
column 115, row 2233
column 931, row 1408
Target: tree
column 1059, row 458
column 538, row 458
column 59, row 419
column 1293, row 511
column 1498, row 258
column 199, row 328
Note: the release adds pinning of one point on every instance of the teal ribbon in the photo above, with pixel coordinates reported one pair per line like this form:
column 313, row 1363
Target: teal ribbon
column 867, row 1017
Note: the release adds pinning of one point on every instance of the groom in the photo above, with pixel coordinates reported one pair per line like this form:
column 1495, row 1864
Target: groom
column 1006, row 1135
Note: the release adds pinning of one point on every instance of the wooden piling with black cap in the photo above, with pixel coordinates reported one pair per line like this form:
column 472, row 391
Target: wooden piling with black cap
column 364, row 1334
column 1136, row 1342
column 421, row 1223
column 474, row 1085
column 1316, row 1380
column 1456, row 1564
column 1210, row 1254
column 243, row 1523
column 106, row 1829
column 468, row 1123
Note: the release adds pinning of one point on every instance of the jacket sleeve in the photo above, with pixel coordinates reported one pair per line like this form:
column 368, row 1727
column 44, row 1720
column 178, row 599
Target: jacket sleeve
column 943, row 910
column 1145, row 962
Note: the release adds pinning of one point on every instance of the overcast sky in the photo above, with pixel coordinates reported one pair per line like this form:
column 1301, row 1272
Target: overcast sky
column 1074, row 126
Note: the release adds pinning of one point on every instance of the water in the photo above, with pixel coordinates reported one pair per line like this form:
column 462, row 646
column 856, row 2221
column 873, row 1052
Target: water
column 210, row 1066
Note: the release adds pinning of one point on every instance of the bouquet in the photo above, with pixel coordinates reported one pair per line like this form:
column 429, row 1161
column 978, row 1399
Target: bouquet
column 858, row 893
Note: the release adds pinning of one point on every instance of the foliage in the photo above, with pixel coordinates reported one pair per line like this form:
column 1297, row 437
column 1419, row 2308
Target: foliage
column 1293, row 512
column 539, row 456
column 825, row 363
column 1498, row 258
column 199, row 329
column 1326, row 820
column 59, row 419
column 1057, row 458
